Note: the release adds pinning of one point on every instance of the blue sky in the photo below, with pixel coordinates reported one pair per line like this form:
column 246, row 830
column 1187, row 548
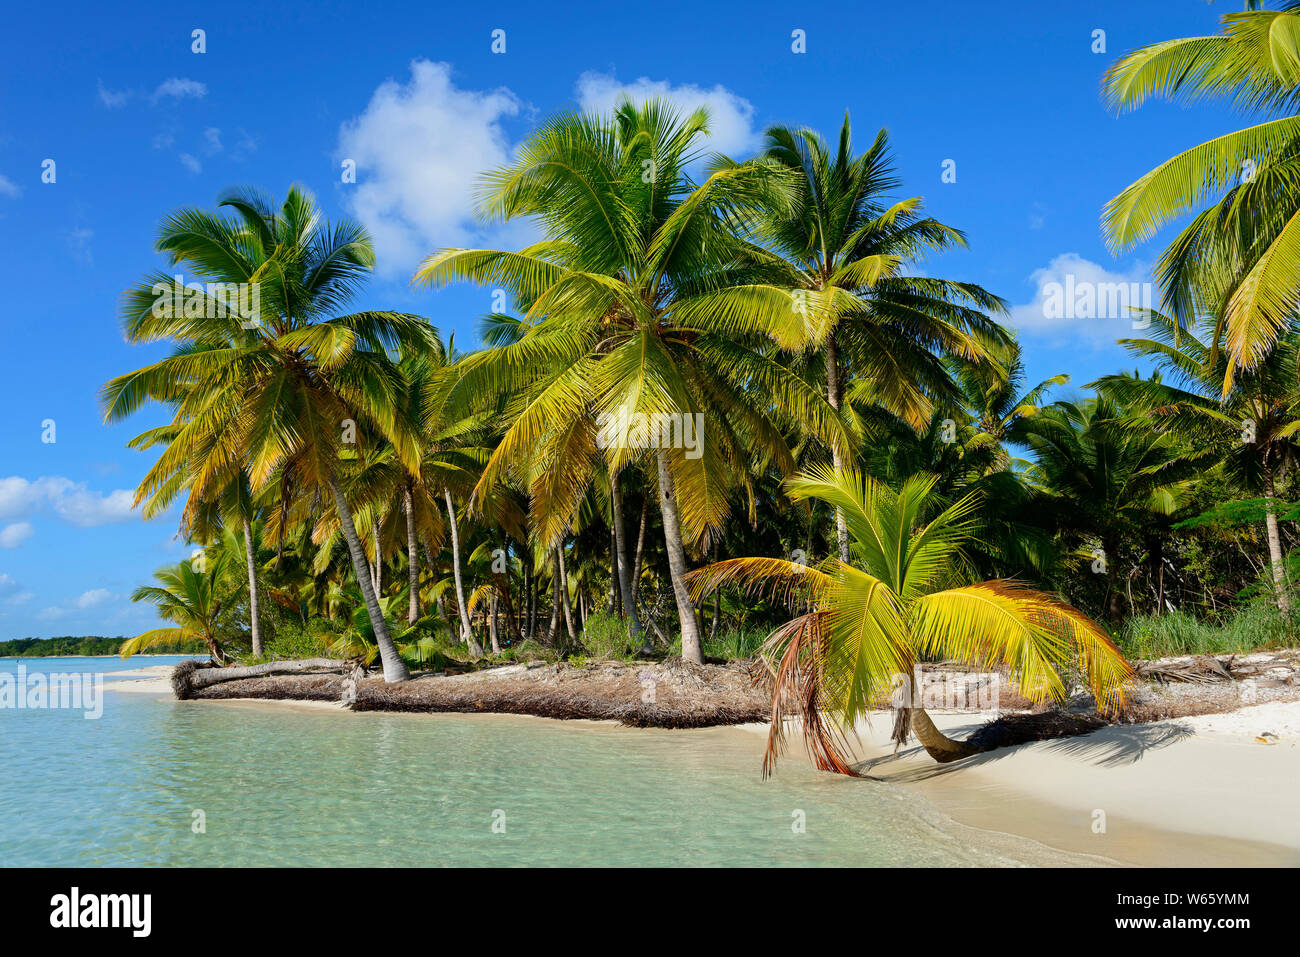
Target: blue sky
column 138, row 124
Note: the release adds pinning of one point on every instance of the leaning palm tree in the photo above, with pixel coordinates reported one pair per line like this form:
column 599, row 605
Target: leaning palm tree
column 1240, row 257
column 280, row 393
column 1250, row 431
column 619, row 337
column 843, row 254
column 190, row 597
column 904, row 597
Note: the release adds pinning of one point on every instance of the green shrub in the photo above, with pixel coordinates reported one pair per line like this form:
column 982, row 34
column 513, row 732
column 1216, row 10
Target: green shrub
column 605, row 636
column 734, row 643
column 1257, row 625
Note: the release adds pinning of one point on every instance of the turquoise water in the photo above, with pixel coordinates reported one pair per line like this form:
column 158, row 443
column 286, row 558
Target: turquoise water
column 281, row 785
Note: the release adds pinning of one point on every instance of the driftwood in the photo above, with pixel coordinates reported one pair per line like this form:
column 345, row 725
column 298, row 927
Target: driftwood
column 190, row 676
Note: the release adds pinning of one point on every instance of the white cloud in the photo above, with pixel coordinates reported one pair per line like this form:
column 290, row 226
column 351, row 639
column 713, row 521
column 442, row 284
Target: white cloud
column 113, row 99
column 731, row 117
column 11, row 536
column 8, row 584
column 8, row 187
column 179, row 88
column 212, row 140
column 420, row 148
column 93, row 598
column 1077, row 300
column 65, row 499
column 191, row 163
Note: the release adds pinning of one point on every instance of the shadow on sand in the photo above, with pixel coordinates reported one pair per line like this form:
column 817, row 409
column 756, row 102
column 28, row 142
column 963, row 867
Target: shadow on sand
column 1111, row 746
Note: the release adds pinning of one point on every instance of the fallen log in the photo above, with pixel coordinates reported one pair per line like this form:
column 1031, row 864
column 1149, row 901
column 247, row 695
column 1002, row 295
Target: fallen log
column 190, row 676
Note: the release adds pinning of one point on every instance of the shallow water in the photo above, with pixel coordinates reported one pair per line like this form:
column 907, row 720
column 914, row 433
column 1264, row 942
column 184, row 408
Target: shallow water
column 281, row 785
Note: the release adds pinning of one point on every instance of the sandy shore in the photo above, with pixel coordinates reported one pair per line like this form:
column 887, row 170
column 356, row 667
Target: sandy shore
column 1210, row 790
column 1196, row 791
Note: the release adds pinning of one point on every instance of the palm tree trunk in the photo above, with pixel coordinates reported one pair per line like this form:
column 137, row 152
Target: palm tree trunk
column 564, row 595
column 620, row 558
column 692, row 650
column 640, row 549
column 394, row 669
column 837, row 460
column 466, row 631
column 254, row 618
column 378, row 567
column 554, row 631
column 937, row 744
column 492, row 627
column 412, row 556
column 1275, row 556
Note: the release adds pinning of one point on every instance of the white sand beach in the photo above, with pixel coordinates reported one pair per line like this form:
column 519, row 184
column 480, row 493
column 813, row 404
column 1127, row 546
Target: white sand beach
column 1185, row 792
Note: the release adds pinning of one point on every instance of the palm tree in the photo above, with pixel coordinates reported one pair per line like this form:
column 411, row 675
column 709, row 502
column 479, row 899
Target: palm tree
column 999, row 411
column 1238, row 258
column 618, row 331
column 280, row 396
column 1108, row 475
column 902, row 599
column 842, row 249
column 190, row 597
column 1251, row 430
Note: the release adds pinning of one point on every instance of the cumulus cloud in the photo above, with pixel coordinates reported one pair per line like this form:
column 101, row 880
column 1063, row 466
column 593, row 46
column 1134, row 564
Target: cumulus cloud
column 731, row 117
column 191, row 163
column 419, row 149
column 8, row 187
column 13, row 535
column 93, row 598
column 179, row 88
column 1077, row 300
column 65, row 499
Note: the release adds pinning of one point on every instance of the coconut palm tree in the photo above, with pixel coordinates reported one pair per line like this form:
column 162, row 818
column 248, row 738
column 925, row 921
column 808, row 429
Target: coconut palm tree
column 992, row 396
column 280, row 393
column 616, row 343
column 1250, row 431
column 905, row 597
column 189, row 596
column 1109, row 475
column 843, row 252
column 1239, row 258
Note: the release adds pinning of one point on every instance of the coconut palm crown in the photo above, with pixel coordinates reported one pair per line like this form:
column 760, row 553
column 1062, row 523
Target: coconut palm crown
column 905, row 597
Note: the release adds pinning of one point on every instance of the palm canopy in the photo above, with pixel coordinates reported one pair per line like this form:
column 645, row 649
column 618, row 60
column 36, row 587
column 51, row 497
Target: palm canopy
column 1240, row 257
column 843, row 251
column 618, row 321
column 280, row 397
column 188, row 594
column 1252, row 428
column 905, row 596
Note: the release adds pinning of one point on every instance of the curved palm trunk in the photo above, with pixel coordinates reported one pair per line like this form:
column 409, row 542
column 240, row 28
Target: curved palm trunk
column 466, row 631
column 833, row 393
column 254, row 617
column 620, row 556
column 378, row 567
column 1275, row 556
column 692, row 649
column 937, row 744
column 394, row 669
column 412, row 556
